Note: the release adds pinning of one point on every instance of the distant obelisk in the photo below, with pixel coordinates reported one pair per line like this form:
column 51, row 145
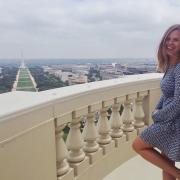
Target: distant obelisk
column 22, row 61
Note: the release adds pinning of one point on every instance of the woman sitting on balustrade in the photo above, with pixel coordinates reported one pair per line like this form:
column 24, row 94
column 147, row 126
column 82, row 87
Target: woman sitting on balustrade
column 164, row 133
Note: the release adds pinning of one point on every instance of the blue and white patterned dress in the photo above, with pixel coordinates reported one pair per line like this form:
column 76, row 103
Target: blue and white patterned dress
column 164, row 133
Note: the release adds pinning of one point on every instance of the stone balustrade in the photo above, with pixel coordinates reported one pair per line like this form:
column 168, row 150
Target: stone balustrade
column 103, row 118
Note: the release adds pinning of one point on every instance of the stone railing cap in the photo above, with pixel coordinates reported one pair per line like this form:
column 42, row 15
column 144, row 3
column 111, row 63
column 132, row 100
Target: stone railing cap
column 18, row 100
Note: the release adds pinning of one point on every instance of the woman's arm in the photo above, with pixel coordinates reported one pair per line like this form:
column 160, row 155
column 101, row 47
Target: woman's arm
column 172, row 110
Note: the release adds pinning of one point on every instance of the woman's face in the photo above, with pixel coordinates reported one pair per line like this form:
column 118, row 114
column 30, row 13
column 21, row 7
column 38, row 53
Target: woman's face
column 172, row 44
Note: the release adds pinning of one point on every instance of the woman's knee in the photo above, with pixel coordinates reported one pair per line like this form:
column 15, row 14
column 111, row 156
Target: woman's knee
column 138, row 145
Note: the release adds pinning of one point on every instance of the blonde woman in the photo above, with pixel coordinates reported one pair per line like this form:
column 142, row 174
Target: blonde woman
column 164, row 133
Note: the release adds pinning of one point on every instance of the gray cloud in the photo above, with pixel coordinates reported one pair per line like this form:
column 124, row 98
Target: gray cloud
column 84, row 28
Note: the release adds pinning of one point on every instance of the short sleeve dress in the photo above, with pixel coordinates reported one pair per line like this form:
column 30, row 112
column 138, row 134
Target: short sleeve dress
column 164, row 133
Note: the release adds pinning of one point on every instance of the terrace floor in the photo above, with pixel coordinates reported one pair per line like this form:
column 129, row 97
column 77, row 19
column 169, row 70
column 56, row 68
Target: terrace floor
column 136, row 169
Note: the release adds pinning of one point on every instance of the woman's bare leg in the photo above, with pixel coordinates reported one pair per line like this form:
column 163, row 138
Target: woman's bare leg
column 167, row 176
column 153, row 156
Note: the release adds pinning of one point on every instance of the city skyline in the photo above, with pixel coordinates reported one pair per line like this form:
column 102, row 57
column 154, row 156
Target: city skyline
column 84, row 29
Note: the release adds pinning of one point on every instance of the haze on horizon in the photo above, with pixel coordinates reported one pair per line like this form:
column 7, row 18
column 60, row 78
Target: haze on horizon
column 84, row 28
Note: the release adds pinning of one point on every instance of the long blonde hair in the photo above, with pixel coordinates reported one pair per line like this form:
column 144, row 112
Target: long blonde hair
column 163, row 60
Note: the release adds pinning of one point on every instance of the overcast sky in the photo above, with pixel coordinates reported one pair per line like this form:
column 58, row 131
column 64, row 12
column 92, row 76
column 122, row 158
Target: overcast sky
column 84, row 28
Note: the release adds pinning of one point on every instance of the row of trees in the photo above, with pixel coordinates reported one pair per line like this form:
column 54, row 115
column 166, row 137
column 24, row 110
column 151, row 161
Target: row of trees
column 92, row 74
column 44, row 80
column 7, row 78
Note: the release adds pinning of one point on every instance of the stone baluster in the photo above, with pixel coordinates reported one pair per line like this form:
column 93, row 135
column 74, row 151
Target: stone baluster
column 61, row 152
column 90, row 133
column 104, row 127
column 139, row 112
column 127, row 116
column 75, row 141
column 116, row 120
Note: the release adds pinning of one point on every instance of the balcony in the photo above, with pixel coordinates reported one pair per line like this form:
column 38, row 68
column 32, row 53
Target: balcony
column 32, row 141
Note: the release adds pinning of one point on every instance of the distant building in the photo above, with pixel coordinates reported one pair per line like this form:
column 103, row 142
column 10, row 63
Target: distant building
column 46, row 68
column 66, row 75
column 109, row 71
column 73, row 74
column 120, row 67
column 81, row 69
column 137, row 70
column 106, row 67
column 110, row 74
column 77, row 79
column 58, row 74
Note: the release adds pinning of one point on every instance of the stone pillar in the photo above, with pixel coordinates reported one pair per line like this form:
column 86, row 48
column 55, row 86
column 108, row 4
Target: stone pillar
column 90, row 133
column 75, row 141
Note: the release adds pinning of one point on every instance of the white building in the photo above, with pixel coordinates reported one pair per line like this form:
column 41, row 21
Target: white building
column 66, row 75
column 58, row 74
column 78, row 79
column 110, row 74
